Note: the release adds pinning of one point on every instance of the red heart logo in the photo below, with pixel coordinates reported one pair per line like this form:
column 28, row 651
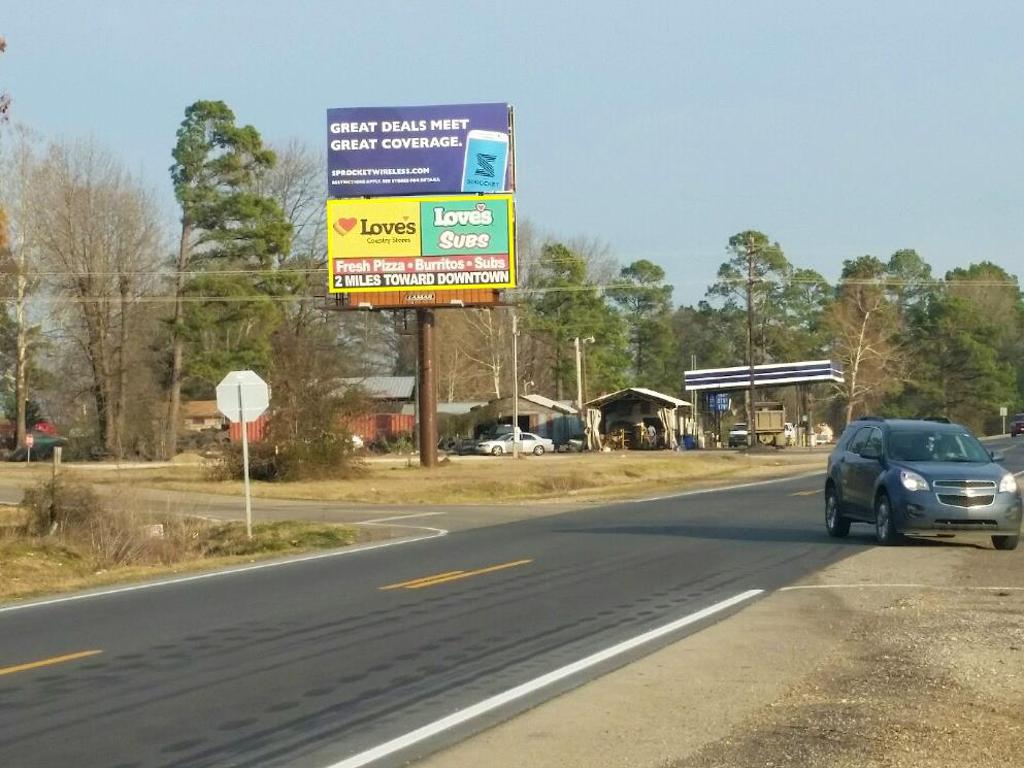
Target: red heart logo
column 341, row 226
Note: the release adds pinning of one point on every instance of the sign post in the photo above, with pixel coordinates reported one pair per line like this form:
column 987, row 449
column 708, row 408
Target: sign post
column 30, row 440
column 242, row 396
column 1002, row 412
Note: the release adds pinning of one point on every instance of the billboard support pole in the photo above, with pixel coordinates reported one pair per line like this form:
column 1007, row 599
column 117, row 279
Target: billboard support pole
column 426, row 393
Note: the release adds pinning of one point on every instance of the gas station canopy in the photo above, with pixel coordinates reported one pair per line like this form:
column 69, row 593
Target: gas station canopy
column 770, row 375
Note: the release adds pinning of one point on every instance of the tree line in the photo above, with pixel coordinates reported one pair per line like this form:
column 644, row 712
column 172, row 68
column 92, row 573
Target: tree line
column 113, row 317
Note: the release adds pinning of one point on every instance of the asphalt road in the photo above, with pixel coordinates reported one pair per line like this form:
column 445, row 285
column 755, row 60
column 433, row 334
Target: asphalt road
column 319, row 662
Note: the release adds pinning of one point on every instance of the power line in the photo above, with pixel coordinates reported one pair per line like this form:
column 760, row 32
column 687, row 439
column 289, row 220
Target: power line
column 521, row 291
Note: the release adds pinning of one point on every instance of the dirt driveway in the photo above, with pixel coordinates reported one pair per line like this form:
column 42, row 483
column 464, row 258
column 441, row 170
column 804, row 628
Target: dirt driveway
column 896, row 657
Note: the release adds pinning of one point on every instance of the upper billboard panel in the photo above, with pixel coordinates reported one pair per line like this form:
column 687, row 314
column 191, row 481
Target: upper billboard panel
column 434, row 150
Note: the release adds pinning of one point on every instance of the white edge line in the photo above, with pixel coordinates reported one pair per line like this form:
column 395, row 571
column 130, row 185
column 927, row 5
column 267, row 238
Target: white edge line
column 376, row 520
column 721, row 488
column 499, row 700
column 436, row 532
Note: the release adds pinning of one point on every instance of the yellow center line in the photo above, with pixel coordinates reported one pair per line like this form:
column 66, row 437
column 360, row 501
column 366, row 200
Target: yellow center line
column 444, row 578
column 46, row 662
column 806, row 493
column 403, row 584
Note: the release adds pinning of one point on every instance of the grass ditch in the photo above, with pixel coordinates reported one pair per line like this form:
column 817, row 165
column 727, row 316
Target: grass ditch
column 65, row 537
column 471, row 480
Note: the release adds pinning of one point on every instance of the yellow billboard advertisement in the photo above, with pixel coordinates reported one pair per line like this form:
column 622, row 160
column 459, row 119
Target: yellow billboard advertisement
column 441, row 243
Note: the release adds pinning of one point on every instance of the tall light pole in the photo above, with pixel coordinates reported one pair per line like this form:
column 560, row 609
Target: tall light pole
column 579, row 377
column 579, row 370
column 515, row 385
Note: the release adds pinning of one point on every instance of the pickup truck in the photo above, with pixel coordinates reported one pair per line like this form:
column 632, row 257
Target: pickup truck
column 738, row 435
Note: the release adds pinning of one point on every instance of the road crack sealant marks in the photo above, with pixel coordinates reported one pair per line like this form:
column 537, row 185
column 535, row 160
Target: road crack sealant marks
column 525, row 689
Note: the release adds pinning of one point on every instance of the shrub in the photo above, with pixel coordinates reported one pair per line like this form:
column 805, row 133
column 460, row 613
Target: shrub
column 60, row 505
column 113, row 533
column 402, row 443
column 327, row 455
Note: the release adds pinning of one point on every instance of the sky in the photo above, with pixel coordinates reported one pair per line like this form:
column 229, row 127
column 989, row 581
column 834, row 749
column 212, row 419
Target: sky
column 659, row 128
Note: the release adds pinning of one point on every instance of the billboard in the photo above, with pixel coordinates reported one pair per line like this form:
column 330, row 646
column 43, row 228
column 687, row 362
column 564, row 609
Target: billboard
column 431, row 150
column 432, row 244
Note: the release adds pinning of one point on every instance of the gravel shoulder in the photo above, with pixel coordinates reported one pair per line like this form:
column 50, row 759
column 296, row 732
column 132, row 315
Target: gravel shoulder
column 898, row 657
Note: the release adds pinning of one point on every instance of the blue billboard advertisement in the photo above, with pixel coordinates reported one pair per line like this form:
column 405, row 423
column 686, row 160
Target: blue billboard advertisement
column 430, row 150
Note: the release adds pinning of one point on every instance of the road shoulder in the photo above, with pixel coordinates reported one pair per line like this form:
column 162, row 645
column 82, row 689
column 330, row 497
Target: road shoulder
column 899, row 657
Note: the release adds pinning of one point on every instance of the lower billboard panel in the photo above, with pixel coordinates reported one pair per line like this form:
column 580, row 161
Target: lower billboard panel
column 474, row 297
column 447, row 244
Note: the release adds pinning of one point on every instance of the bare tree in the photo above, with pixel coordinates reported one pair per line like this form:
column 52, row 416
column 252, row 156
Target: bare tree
column 862, row 321
column 5, row 98
column 490, row 344
column 16, row 169
column 296, row 183
column 95, row 230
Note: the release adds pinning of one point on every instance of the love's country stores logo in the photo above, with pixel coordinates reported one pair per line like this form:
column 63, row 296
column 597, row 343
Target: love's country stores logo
column 343, row 225
column 366, row 227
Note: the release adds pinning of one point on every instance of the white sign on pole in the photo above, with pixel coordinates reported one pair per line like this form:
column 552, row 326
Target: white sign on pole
column 243, row 396
column 254, row 392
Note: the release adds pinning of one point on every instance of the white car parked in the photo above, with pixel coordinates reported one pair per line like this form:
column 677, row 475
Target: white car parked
column 528, row 443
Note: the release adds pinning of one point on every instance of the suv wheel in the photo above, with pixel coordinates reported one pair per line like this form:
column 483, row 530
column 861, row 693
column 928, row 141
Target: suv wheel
column 1005, row 542
column 885, row 526
column 836, row 525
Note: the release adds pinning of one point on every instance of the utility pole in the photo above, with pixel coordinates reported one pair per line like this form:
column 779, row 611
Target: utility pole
column 751, row 427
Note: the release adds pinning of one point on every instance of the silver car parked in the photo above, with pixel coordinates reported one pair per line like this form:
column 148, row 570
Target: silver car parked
column 528, row 443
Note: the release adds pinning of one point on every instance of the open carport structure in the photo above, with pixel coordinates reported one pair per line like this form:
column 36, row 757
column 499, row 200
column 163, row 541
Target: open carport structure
column 639, row 418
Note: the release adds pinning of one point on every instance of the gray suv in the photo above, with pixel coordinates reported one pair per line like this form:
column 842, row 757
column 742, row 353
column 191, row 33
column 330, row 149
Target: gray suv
column 919, row 476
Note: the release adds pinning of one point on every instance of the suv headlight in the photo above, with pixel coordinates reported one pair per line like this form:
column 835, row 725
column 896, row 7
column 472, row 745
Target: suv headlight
column 1008, row 484
column 912, row 481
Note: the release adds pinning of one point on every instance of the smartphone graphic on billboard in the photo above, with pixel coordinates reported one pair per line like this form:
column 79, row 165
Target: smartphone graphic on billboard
column 486, row 161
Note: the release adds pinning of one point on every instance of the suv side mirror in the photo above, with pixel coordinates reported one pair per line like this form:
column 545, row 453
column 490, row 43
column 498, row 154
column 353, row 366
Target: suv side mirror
column 871, row 452
column 997, row 456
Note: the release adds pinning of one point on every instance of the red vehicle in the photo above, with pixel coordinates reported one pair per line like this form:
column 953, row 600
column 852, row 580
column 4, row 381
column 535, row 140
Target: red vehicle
column 1017, row 425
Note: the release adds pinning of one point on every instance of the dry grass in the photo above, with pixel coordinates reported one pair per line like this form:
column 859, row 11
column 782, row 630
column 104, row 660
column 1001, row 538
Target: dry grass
column 35, row 566
column 472, row 480
column 33, row 569
column 65, row 537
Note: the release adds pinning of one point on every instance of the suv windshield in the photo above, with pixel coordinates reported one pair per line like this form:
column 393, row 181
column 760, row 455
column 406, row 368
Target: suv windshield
column 923, row 444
